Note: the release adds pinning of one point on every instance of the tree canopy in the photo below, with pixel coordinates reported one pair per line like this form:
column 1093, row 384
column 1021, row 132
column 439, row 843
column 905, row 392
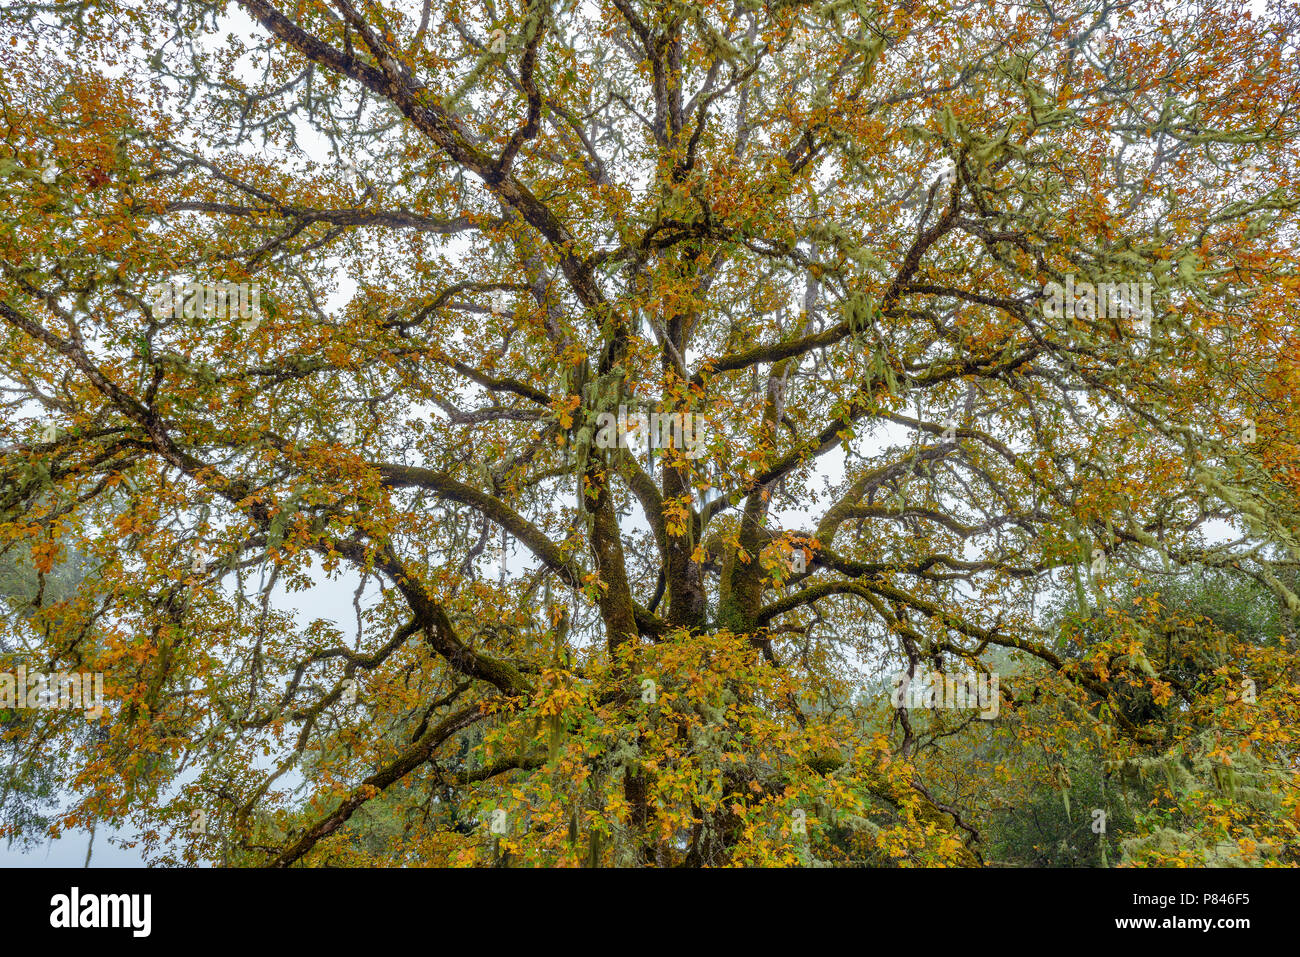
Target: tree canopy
column 969, row 334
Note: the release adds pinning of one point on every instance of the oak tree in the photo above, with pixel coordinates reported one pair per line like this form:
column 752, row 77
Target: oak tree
column 659, row 378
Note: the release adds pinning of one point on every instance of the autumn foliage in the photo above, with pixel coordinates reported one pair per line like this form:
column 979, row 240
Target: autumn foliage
column 824, row 231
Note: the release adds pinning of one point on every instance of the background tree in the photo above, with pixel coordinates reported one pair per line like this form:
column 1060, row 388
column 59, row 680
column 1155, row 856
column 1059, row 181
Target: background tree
column 824, row 231
column 29, row 778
